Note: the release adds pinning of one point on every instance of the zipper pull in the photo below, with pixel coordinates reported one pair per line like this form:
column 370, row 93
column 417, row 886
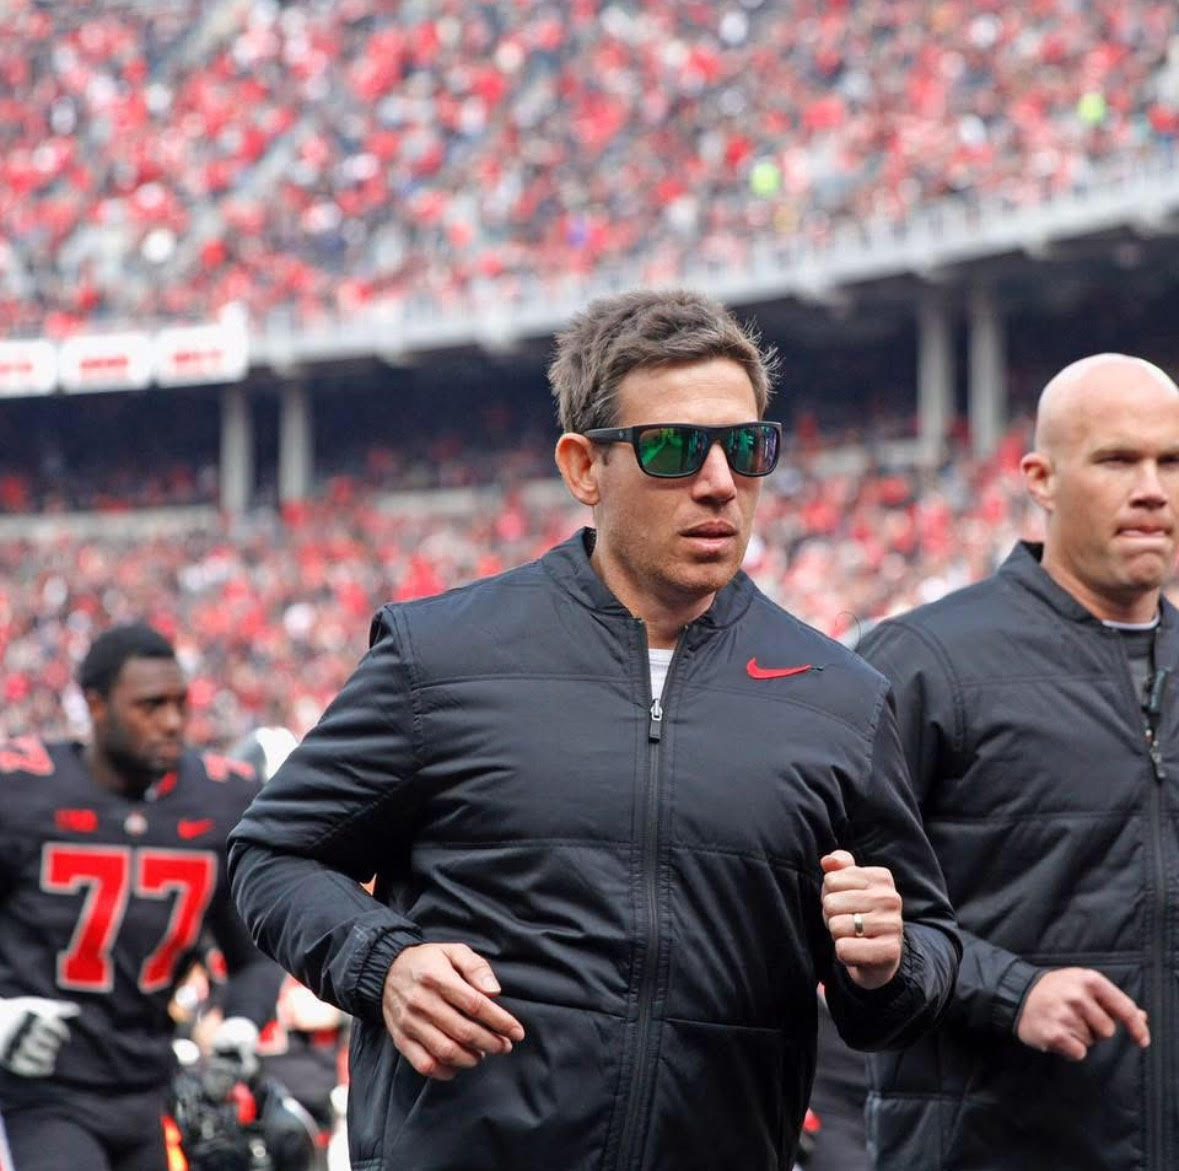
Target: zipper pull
column 1155, row 752
column 1154, row 711
column 655, row 730
column 1154, row 700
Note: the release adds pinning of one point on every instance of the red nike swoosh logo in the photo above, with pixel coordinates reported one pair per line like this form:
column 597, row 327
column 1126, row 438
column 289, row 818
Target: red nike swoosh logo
column 193, row 829
column 80, row 821
column 756, row 672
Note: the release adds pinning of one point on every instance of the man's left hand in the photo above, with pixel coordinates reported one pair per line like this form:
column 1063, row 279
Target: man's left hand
column 862, row 910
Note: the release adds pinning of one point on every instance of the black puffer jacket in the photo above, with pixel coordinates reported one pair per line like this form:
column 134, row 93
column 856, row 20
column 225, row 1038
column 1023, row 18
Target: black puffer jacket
column 1057, row 836
column 643, row 880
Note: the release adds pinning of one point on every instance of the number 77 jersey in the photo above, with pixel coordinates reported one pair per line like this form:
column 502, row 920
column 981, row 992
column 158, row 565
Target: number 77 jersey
column 104, row 900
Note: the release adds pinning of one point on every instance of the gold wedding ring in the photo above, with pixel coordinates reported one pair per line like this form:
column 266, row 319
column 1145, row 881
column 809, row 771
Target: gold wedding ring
column 858, row 924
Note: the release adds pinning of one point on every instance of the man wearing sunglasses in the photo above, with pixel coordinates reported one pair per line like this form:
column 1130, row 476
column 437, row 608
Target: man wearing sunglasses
column 623, row 813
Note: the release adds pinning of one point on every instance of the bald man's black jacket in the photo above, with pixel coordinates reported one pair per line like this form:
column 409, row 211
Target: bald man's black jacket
column 1052, row 799
column 645, row 881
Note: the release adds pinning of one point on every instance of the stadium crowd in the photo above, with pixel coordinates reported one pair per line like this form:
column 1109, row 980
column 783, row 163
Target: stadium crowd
column 268, row 611
column 317, row 158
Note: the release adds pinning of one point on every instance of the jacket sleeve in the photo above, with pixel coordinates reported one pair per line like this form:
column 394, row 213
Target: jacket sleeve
column 886, row 831
column 335, row 813
column 992, row 982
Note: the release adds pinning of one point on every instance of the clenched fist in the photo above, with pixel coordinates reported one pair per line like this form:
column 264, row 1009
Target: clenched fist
column 862, row 910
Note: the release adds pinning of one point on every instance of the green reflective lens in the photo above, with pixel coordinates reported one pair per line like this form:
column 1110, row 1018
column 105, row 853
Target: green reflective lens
column 668, row 451
column 752, row 450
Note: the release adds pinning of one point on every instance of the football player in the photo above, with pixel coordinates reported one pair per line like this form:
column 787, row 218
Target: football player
column 112, row 869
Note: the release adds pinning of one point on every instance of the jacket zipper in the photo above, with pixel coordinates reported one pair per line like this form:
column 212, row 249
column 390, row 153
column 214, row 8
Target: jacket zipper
column 1158, row 998
column 631, row 1128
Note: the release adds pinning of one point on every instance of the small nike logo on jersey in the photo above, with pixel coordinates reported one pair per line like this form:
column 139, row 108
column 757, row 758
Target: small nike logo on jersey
column 756, row 672
column 79, row 821
column 193, row 829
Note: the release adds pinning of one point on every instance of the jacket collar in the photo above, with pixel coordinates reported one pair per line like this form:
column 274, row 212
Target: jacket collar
column 1023, row 567
column 569, row 564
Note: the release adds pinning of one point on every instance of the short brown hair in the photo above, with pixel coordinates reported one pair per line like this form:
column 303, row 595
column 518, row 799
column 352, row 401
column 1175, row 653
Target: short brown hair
column 615, row 335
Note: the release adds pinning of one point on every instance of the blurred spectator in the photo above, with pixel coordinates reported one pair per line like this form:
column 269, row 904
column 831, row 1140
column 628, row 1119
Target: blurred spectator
column 326, row 158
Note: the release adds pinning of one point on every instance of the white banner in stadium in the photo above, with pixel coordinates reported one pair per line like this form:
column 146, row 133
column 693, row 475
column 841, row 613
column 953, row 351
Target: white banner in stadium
column 183, row 355
column 191, row 354
column 114, row 361
column 27, row 368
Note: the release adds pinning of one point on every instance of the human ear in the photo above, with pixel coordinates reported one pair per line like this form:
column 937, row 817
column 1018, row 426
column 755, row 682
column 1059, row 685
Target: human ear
column 578, row 466
column 96, row 704
column 1039, row 478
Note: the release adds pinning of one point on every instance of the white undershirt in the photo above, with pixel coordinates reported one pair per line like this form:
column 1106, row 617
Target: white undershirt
column 1131, row 625
column 660, row 661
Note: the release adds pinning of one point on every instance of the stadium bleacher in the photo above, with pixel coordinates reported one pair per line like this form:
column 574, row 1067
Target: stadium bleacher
column 313, row 159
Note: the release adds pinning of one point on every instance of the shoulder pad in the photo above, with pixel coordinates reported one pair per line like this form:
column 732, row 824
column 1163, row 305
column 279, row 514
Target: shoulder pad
column 221, row 768
column 26, row 754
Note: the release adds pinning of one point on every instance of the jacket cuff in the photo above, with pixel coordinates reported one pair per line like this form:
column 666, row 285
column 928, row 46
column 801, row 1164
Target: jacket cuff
column 905, row 981
column 370, row 981
column 1011, row 992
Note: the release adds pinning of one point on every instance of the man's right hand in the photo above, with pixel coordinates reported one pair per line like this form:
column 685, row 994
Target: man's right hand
column 1068, row 1009
column 438, row 1009
column 32, row 1030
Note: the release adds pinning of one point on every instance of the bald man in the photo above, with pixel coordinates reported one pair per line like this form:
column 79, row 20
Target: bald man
column 1041, row 725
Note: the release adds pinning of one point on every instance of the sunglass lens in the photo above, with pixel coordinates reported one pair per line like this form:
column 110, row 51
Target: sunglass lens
column 752, row 450
column 670, row 451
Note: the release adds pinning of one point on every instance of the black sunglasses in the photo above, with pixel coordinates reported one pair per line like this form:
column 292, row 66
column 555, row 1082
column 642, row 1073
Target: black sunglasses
column 671, row 450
